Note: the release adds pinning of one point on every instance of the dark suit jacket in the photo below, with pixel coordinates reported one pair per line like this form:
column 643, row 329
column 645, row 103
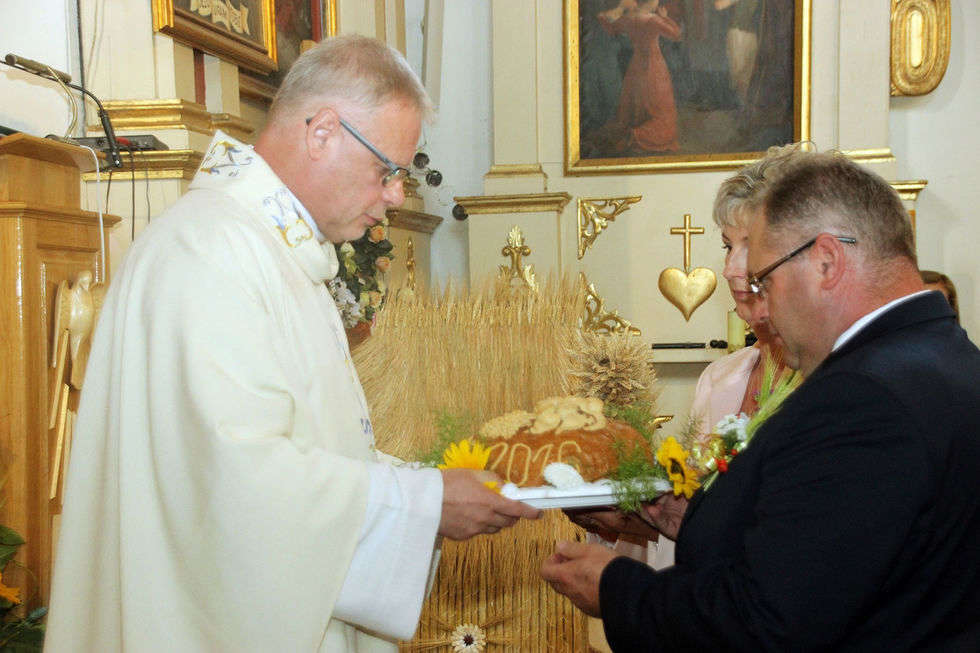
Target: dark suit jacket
column 850, row 523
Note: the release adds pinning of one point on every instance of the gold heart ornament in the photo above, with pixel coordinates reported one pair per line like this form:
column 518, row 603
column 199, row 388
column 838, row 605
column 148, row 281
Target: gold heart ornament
column 687, row 291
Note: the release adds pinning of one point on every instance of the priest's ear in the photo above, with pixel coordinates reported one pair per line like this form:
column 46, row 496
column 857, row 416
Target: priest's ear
column 322, row 130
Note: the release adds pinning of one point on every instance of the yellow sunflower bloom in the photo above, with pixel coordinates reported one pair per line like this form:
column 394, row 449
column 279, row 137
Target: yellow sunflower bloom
column 673, row 457
column 12, row 594
column 464, row 455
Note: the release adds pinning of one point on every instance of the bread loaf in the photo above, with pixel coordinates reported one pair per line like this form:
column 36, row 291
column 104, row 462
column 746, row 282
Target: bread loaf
column 570, row 430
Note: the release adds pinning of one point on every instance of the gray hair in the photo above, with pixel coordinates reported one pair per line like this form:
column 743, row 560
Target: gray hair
column 830, row 193
column 742, row 192
column 358, row 69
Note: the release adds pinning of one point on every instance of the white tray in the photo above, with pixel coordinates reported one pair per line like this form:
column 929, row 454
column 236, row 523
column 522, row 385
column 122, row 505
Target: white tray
column 588, row 495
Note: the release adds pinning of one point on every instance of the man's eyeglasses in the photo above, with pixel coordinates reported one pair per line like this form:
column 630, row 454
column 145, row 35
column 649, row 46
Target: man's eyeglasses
column 756, row 280
column 395, row 172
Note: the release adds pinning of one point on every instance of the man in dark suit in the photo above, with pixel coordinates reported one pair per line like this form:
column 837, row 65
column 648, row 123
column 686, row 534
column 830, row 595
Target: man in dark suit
column 852, row 520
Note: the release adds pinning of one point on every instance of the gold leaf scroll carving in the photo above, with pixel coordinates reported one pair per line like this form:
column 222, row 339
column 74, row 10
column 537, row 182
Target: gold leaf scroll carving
column 517, row 250
column 597, row 319
column 595, row 214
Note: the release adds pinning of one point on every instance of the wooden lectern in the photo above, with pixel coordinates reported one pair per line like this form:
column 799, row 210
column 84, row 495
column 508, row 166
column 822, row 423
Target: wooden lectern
column 45, row 239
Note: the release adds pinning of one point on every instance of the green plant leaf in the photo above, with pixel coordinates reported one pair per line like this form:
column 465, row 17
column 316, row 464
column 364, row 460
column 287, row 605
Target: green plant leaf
column 10, row 536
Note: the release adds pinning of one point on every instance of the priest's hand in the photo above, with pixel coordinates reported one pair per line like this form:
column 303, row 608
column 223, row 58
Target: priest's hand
column 574, row 570
column 469, row 508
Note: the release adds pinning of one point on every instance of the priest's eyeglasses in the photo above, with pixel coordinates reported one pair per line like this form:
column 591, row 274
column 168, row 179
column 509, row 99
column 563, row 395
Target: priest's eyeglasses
column 395, row 171
column 756, row 281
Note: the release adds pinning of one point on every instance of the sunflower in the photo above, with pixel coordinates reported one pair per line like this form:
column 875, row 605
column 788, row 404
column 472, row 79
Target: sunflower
column 11, row 594
column 673, row 457
column 465, row 455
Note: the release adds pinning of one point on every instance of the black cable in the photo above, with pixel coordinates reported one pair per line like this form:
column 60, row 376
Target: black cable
column 81, row 59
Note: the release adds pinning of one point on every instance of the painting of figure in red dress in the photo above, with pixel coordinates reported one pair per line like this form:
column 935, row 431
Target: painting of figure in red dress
column 682, row 79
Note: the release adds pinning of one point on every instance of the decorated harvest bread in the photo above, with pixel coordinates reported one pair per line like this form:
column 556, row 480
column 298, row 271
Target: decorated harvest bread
column 570, row 430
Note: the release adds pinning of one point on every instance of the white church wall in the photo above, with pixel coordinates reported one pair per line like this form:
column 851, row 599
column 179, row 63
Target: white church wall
column 935, row 137
column 45, row 31
column 459, row 140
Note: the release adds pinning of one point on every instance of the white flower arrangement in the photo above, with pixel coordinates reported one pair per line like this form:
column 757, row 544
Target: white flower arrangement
column 733, row 426
column 350, row 309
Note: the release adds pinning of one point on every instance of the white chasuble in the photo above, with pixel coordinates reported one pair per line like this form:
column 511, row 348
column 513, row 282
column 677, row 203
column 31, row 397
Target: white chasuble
column 223, row 455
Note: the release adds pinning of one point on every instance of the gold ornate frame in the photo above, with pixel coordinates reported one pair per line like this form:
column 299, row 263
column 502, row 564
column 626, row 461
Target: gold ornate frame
column 257, row 53
column 576, row 165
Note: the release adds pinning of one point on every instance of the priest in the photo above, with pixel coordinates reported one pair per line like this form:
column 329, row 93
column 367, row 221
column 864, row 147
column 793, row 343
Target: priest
column 224, row 493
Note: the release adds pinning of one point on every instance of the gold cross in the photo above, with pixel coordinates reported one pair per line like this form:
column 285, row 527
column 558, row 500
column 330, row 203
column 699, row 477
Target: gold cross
column 687, row 230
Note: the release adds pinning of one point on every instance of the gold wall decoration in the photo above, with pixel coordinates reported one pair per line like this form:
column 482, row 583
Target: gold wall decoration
column 919, row 45
column 595, row 214
column 909, row 192
column 156, row 164
column 160, row 114
column 517, row 250
column 410, row 264
column 871, row 155
column 233, row 125
column 514, row 170
column 597, row 319
column 523, row 203
column 687, row 289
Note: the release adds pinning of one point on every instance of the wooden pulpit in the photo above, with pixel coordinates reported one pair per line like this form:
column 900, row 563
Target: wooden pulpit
column 45, row 240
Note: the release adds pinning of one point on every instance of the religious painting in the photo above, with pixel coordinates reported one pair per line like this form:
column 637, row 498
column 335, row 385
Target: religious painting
column 239, row 31
column 666, row 85
column 297, row 22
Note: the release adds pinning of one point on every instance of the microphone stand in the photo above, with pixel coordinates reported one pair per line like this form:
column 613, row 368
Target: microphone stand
column 110, row 135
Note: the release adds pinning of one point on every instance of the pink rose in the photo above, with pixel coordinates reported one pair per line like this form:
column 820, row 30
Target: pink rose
column 376, row 234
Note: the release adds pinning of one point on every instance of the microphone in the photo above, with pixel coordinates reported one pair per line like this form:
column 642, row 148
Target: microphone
column 41, row 70
column 36, row 67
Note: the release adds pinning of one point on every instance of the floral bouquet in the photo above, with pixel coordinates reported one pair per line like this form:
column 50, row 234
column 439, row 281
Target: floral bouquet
column 360, row 286
column 713, row 452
